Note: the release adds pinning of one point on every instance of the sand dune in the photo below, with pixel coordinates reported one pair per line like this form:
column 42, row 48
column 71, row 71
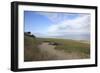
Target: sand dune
column 57, row 54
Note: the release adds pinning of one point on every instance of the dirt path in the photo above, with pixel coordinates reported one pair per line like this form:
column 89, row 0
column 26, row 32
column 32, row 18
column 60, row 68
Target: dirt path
column 56, row 54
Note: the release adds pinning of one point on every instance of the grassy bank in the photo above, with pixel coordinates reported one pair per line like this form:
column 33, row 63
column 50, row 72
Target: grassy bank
column 71, row 46
column 33, row 53
column 31, row 49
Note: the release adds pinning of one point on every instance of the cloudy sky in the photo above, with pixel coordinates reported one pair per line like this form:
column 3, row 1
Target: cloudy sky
column 58, row 25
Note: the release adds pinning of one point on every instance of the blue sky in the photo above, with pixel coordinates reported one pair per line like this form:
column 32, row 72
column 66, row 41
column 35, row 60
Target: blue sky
column 59, row 25
column 35, row 22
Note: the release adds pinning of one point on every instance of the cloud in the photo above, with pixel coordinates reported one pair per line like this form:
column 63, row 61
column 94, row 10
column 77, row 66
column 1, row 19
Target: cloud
column 67, row 25
column 67, row 22
column 51, row 16
column 80, row 25
column 59, row 16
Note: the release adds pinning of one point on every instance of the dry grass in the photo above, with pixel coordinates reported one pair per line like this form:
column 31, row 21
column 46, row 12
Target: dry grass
column 72, row 46
column 73, row 49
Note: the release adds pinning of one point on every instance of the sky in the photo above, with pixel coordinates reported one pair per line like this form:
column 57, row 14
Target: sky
column 58, row 24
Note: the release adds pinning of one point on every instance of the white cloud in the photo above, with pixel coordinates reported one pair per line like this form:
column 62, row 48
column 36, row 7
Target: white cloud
column 67, row 25
column 55, row 17
column 51, row 16
column 73, row 26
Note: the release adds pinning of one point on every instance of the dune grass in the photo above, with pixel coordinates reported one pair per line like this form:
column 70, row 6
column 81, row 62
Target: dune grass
column 30, row 49
column 33, row 53
column 71, row 46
